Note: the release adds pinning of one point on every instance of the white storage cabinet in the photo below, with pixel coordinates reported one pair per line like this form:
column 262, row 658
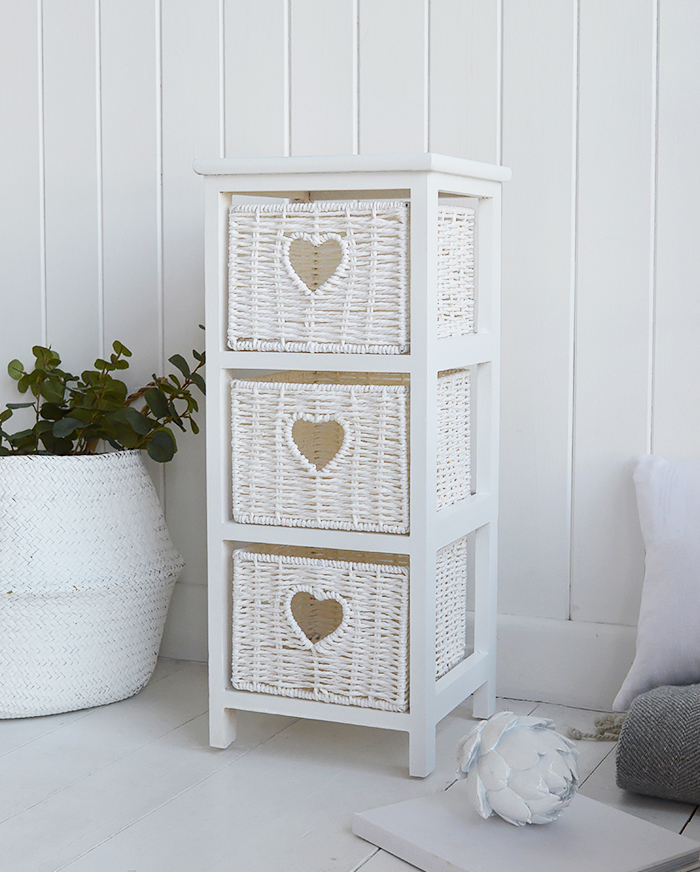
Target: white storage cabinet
column 352, row 308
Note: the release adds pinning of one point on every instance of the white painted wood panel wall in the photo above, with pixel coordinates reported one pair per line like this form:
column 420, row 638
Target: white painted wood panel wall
column 594, row 104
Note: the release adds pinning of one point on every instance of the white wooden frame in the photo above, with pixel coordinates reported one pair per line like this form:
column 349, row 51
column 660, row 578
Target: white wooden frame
column 421, row 178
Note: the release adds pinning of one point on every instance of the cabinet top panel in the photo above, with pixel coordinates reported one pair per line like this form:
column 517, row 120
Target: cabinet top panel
column 365, row 163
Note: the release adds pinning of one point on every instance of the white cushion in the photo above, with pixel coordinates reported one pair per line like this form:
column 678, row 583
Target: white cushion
column 668, row 633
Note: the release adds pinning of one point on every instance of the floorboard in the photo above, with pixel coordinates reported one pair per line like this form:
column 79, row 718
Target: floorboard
column 135, row 786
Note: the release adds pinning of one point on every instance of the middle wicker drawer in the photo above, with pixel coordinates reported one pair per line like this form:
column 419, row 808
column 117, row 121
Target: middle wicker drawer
column 321, row 449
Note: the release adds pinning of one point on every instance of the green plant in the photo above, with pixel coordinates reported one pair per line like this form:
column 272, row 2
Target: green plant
column 73, row 414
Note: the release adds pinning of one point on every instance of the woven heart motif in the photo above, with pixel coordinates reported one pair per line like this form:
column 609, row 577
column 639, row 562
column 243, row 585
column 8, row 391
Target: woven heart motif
column 314, row 258
column 316, row 618
column 317, row 440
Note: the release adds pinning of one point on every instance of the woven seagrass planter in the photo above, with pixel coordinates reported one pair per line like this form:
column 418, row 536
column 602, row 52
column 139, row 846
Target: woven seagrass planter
column 87, row 569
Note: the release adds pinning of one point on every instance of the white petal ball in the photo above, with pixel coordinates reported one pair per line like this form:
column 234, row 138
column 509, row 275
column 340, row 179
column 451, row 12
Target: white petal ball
column 519, row 768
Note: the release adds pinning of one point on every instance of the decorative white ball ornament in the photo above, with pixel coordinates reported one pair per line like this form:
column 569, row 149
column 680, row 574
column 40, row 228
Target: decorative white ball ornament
column 518, row 767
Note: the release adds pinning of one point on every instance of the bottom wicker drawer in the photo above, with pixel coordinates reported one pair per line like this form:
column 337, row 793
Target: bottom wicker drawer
column 334, row 630
column 333, row 626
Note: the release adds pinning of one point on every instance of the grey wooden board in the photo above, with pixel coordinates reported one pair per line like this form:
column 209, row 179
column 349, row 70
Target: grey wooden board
column 443, row 833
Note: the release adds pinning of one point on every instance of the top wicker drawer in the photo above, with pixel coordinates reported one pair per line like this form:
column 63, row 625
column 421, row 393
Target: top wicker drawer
column 333, row 276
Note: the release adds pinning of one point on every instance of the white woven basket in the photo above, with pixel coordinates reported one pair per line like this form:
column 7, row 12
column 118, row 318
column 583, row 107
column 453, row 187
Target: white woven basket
column 333, row 625
column 451, row 586
column 320, row 276
column 321, row 628
column 321, row 450
column 453, row 437
column 86, row 573
column 331, row 450
column 455, row 266
column 333, row 276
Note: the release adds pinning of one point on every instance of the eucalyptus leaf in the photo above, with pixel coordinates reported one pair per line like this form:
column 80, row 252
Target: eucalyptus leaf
column 51, row 411
column 65, row 427
column 122, row 433
column 179, row 361
column 157, row 402
column 15, row 369
column 121, row 349
column 74, row 414
column 161, row 446
column 52, row 390
column 62, row 446
column 139, row 422
column 174, row 415
column 199, row 381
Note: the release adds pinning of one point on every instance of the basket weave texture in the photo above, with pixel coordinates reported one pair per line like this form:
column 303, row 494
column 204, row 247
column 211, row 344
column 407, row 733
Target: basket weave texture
column 334, row 630
column 453, row 437
column 451, row 606
column 321, row 276
column 326, row 450
column 333, row 625
column 331, row 450
column 333, row 276
column 455, row 268
column 86, row 573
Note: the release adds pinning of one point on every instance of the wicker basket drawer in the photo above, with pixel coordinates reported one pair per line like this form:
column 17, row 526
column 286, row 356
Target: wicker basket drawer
column 333, row 276
column 321, row 276
column 333, row 626
column 334, row 630
column 323, row 450
column 331, row 450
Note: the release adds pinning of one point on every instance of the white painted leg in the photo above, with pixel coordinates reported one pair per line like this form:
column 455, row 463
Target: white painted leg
column 484, row 700
column 421, row 752
column 222, row 727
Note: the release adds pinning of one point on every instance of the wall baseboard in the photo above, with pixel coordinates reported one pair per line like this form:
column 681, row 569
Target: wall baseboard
column 566, row 662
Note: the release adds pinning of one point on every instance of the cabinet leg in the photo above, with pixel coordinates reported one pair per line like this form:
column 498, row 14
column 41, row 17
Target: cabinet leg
column 222, row 727
column 484, row 700
column 421, row 752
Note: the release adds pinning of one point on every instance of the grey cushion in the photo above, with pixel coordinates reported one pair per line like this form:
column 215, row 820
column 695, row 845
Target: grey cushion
column 659, row 749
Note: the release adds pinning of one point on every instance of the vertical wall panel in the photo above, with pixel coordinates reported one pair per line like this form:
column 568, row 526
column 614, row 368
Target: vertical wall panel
column 677, row 355
column 465, row 98
column 20, row 189
column 538, row 255
column 393, row 68
column 290, row 83
column 257, row 78
column 130, row 182
column 72, row 184
column 191, row 129
column 615, row 240
column 323, row 77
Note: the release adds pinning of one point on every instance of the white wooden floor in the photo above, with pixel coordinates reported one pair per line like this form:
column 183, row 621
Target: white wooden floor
column 134, row 786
